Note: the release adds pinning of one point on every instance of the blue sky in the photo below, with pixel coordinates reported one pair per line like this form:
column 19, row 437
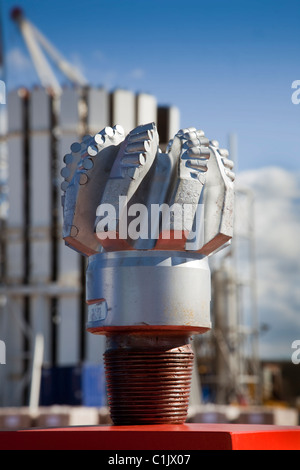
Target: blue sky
column 227, row 64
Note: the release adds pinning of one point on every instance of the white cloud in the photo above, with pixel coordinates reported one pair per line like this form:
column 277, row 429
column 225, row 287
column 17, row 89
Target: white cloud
column 17, row 60
column 277, row 244
column 98, row 55
column 109, row 79
column 20, row 69
column 137, row 73
column 77, row 64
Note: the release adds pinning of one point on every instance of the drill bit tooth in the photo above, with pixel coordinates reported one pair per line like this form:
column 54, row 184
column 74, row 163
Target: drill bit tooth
column 200, row 133
column 224, row 152
column 92, row 150
column 185, row 131
column 64, row 185
column 65, row 172
column 190, row 133
column 75, row 147
column 118, row 130
column 68, row 158
column 214, row 143
column 203, row 141
column 86, row 137
column 194, row 139
column 230, row 174
column 99, row 139
column 83, row 178
column 198, row 152
column 228, row 163
column 133, row 159
column 138, row 146
column 194, row 142
column 87, row 175
column 197, row 165
column 144, row 135
column 109, row 132
column 87, row 164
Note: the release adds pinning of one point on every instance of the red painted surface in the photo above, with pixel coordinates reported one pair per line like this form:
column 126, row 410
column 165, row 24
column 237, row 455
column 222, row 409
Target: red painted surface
column 190, row 436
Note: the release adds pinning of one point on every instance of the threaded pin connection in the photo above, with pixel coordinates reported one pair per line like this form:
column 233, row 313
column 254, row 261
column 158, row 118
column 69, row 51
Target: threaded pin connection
column 149, row 386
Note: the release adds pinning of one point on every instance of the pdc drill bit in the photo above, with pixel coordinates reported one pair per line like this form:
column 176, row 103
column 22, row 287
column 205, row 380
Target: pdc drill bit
column 147, row 221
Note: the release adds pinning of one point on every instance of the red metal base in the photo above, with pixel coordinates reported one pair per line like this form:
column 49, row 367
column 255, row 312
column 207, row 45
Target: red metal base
column 190, row 436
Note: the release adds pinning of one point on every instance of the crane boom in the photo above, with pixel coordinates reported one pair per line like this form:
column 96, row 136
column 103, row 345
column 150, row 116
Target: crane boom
column 35, row 41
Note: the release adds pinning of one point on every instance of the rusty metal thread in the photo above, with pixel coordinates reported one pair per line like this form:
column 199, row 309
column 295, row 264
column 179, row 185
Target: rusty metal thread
column 148, row 387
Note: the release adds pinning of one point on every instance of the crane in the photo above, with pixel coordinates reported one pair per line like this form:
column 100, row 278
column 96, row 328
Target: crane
column 36, row 42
